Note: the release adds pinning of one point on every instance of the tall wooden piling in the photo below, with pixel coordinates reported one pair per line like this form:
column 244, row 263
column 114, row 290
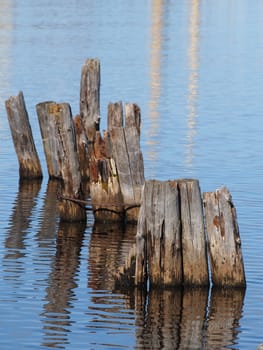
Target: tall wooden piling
column 83, row 148
column 195, row 262
column 29, row 164
column 59, row 140
column 90, row 97
column 224, row 241
column 125, row 146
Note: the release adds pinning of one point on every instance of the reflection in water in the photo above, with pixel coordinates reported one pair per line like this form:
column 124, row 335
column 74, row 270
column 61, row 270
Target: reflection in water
column 193, row 318
column 112, row 313
column 109, row 246
column 18, row 228
column 181, row 319
column 49, row 216
column 193, row 56
column 164, row 319
column 61, row 283
column 156, row 41
column 158, row 323
column 224, row 314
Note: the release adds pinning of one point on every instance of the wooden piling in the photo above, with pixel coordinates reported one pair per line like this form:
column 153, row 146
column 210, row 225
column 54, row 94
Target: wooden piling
column 171, row 246
column 83, row 148
column 50, row 138
column 224, row 241
column 125, row 146
column 159, row 227
column 116, row 166
column 29, row 164
column 90, row 97
column 105, row 193
column 59, row 140
column 195, row 261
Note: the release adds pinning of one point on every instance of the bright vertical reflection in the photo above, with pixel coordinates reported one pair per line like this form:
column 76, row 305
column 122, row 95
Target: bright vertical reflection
column 156, row 34
column 193, row 59
column 5, row 45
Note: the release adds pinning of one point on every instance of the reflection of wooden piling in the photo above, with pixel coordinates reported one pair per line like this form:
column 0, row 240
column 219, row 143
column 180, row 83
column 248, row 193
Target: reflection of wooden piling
column 158, row 319
column 223, row 239
column 195, row 264
column 90, row 97
column 20, row 220
column 223, row 319
column 58, row 134
column 62, row 281
column 193, row 318
column 109, row 246
column 29, row 164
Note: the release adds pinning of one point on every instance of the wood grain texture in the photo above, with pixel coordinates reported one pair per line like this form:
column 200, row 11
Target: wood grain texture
column 29, row 164
column 59, row 141
column 224, row 241
column 90, row 97
column 83, row 148
column 161, row 233
column 195, row 261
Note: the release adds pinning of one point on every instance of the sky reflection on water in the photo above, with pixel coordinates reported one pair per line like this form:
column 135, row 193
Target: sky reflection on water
column 195, row 69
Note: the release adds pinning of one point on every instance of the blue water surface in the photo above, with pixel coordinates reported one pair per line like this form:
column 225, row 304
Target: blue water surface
column 195, row 69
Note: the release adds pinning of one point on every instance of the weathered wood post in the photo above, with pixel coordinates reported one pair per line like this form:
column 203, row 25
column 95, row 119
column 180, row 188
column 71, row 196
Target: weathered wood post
column 51, row 139
column 116, row 166
column 59, row 140
column 83, row 148
column 159, row 227
column 105, row 193
column 170, row 245
column 195, row 261
column 125, row 146
column 29, row 164
column 90, row 97
column 224, row 241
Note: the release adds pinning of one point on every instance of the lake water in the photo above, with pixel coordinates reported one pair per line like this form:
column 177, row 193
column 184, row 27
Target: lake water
column 195, row 67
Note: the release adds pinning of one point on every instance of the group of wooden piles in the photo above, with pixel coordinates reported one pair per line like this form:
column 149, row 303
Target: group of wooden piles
column 175, row 224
